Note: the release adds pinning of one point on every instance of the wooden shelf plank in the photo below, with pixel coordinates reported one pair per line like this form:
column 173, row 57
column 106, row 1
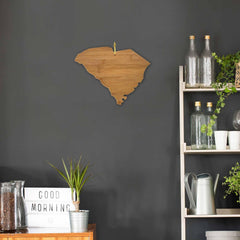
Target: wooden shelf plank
column 221, row 213
column 200, row 89
column 214, row 216
column 188, row 150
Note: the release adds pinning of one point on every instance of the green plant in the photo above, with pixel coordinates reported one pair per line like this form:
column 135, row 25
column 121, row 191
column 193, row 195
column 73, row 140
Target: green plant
column 233, row 181
column 75, row 176
column 224, row 85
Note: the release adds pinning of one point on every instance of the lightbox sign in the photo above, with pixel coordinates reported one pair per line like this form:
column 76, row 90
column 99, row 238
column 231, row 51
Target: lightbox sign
column 48, row 207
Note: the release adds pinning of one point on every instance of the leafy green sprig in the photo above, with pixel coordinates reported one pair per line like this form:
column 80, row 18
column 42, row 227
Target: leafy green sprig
column 224, row 86
column 233, row 181
column 76, row 176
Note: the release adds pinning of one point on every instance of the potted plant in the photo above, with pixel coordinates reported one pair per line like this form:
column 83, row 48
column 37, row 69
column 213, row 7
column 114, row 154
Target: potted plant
column 224, row 85
column 76, row 176
column 233, row 182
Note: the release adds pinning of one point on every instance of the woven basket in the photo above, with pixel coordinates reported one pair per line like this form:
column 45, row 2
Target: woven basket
column 237, row 75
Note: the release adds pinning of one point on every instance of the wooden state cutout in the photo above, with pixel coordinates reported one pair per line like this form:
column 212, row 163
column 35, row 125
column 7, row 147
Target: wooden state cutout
column 120, row 73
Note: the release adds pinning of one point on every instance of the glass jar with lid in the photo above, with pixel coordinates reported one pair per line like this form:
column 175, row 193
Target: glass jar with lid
column 8, row 213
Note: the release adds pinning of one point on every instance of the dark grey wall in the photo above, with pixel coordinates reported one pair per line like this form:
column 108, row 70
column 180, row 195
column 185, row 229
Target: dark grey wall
column 50, row 107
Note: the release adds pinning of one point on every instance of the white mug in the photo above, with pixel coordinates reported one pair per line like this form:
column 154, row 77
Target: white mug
column 221, row 139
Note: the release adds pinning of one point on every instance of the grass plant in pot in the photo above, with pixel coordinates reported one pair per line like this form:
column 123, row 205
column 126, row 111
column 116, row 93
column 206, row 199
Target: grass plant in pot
column 76, row 176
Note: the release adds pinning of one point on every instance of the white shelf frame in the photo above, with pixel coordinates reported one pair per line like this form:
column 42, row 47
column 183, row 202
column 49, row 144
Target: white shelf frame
column 182, row 157
column 184, row 150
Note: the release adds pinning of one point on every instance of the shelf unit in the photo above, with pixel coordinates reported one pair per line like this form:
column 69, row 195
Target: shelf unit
column 185, row 150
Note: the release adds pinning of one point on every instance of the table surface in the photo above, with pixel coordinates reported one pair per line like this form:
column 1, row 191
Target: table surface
column 52, row 232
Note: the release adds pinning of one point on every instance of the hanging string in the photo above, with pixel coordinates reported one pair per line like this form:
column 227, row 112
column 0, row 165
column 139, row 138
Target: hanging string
column 114, row 48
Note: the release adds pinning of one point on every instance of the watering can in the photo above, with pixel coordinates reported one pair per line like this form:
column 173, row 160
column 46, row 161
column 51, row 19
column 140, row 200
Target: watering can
column 201, row 194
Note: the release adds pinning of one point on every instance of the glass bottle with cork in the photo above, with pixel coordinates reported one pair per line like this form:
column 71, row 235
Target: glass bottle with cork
column 210, row 139
column 206, row 65
column 192, row 65
column 198, row 139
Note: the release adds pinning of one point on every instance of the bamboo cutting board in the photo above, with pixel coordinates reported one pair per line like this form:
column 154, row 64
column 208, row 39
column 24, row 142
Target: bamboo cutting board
column 121, row 73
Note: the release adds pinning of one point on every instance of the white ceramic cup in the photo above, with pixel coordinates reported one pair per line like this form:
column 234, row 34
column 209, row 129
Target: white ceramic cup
column 234, row 140
column 221, row 139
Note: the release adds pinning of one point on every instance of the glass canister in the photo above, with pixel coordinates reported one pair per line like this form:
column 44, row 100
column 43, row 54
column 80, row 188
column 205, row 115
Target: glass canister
column 8, row 219
column 20, row 205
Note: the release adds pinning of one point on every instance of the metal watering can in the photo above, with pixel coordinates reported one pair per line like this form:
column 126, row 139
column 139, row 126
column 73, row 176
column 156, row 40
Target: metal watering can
column 201, row 194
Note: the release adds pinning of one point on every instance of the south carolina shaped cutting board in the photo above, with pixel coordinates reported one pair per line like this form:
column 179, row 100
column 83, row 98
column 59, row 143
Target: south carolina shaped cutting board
column 120, row 72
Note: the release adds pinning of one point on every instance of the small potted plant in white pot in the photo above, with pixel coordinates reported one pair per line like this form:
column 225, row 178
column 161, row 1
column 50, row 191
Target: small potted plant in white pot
column 76, row 176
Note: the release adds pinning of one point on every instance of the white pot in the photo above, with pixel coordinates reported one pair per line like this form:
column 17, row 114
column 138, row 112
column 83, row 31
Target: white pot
column 79, row 221
column 221, row 139
column 234, row 139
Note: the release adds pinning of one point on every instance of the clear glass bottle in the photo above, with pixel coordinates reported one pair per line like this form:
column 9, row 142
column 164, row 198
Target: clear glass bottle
column 8, row 214
column 210, row 139
column 21, row 208
column 192, row 65
column 198, row 139
column 206, row 65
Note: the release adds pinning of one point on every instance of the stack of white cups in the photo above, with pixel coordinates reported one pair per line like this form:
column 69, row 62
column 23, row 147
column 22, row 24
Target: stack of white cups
column 233, row 140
